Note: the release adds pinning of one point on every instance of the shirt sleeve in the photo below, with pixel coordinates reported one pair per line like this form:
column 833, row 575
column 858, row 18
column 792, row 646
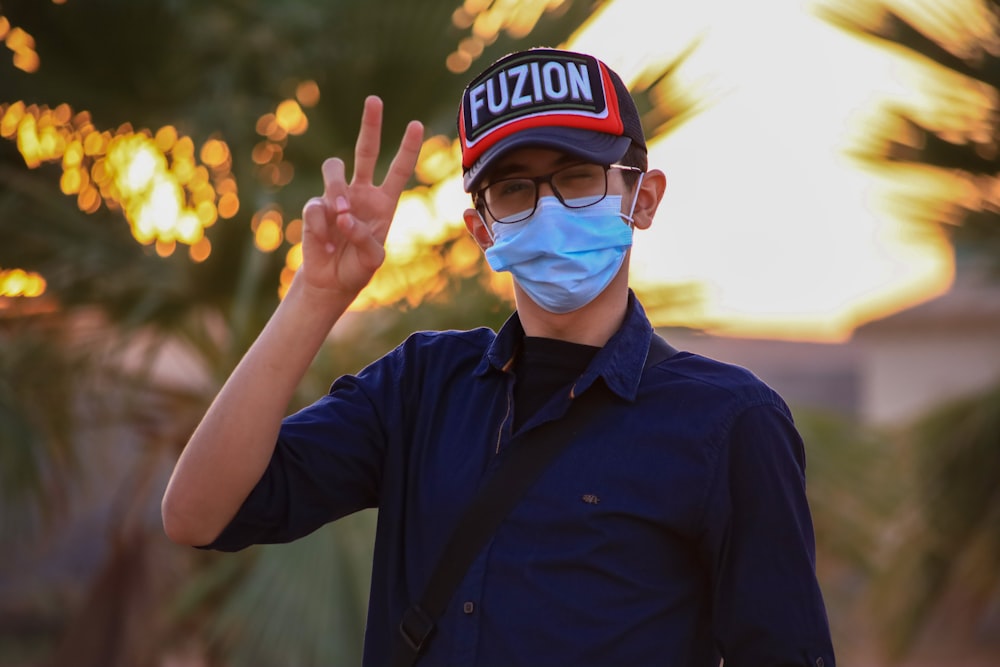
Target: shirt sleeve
column 327, row 463
column 768, row 609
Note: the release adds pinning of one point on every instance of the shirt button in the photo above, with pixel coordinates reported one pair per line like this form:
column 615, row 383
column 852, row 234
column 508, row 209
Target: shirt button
column 820, row 662
column 470, row 607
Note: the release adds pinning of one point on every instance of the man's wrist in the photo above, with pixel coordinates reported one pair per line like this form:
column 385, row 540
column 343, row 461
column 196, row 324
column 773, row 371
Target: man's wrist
column 319, row 300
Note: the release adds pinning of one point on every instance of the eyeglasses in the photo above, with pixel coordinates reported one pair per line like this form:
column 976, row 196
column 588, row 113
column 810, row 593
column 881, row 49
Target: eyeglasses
column 577, row 186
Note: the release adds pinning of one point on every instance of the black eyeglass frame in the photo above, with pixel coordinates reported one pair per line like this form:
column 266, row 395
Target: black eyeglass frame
column 480, row 198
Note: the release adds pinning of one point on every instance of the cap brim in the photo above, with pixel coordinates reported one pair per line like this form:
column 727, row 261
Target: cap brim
column 596, row 147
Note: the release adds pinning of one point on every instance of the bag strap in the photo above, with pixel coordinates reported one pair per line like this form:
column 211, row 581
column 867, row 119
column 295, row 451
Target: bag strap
column 517, row 472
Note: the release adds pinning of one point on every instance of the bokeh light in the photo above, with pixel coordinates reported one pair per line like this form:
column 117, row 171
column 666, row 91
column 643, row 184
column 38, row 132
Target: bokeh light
column 20, row 283
column 154, row 179
column 287, row 119
column 22, row 44
column 486, row 19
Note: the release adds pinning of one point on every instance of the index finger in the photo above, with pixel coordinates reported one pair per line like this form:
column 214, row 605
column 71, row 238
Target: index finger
column 369, row 141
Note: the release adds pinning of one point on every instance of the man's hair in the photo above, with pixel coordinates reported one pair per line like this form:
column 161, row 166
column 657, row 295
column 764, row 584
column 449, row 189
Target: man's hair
column 635, row 156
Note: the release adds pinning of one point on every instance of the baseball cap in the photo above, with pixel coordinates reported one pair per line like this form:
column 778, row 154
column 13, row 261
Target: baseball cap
column 547, row 98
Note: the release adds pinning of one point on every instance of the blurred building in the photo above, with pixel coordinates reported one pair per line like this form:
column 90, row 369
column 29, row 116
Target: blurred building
column 891, row 370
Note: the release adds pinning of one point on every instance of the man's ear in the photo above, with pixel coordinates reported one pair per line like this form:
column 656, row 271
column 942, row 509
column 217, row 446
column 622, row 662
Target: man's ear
column 654, row 183
column 477, row 227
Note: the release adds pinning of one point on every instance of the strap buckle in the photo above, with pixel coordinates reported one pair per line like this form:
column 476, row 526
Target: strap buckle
column 416, row 627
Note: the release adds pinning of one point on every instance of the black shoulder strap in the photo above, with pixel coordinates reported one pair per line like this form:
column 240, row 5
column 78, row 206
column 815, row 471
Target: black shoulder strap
column 521, row 467
column 659, row 350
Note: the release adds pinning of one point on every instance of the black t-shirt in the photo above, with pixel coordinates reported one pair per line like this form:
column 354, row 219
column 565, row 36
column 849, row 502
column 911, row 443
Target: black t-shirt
column 543, row 367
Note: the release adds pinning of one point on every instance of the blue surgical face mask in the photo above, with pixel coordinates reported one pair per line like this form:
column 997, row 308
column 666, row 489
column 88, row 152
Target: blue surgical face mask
column 563, row 258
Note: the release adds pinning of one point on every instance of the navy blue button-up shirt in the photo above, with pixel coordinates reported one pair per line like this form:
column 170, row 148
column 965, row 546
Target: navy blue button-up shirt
column 673, row 532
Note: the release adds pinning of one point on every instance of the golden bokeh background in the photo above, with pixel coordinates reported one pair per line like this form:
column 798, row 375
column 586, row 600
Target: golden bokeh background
column 767, row 217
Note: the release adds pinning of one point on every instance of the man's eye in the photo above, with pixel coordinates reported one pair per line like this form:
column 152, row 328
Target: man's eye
column 580, row 175
column 512, row 188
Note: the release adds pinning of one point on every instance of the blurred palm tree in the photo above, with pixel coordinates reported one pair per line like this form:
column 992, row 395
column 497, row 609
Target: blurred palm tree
column 851, row 503
column 945, row 558
column 84, row 401
column 953, row 133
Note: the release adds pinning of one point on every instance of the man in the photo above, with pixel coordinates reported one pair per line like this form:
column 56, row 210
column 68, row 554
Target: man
column 673, row 527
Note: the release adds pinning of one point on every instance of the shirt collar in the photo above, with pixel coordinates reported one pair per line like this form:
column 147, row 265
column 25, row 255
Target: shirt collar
column 502, row 351
column 619, row 363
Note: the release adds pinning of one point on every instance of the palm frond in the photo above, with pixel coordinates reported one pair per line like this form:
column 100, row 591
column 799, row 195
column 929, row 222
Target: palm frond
column 947, row 541
column 301, row 603
column 959, row 138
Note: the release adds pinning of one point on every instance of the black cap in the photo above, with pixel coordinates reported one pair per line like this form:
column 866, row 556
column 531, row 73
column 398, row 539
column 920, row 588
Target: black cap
column 547, row 98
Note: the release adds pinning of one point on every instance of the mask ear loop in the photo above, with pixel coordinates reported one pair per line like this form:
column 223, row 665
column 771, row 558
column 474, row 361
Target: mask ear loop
column 635, row 199
column 486, row 226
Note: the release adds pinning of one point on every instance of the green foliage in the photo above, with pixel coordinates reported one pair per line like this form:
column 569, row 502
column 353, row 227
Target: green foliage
column 302, row 603
column 36, row 457
column 847, row 470
column 855, row 487
column 950, row 539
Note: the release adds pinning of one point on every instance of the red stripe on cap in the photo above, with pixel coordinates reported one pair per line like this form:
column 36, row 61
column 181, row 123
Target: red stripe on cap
column 614, row 109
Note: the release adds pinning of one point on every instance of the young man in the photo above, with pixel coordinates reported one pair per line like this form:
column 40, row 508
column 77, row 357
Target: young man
column 673, row 527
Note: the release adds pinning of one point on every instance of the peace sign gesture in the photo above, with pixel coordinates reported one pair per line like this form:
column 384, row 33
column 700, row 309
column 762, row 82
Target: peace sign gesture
column 344, row 230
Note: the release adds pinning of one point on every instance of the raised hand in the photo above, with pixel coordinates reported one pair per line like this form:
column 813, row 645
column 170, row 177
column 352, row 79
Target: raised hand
column 344, row 230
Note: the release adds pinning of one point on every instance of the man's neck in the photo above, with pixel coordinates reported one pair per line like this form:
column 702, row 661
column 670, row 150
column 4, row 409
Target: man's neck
column 594, row 324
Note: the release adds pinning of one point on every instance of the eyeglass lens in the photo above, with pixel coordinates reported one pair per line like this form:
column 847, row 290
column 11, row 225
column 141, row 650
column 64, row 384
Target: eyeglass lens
column 576, row 186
